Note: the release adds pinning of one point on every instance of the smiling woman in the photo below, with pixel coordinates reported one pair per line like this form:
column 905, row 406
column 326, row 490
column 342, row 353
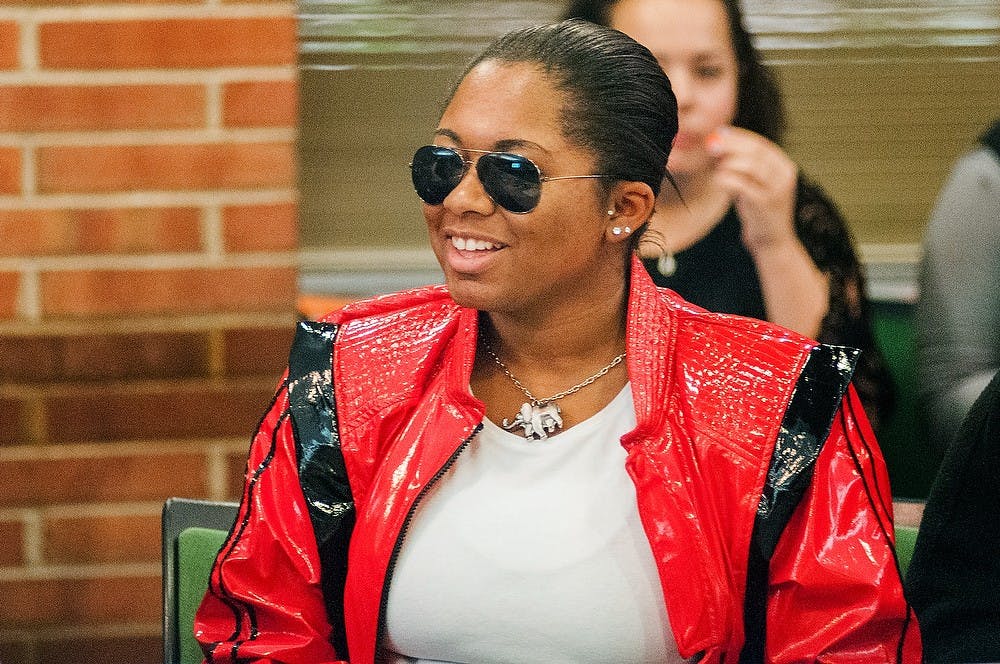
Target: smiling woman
column 496, row 98
column 489, row 464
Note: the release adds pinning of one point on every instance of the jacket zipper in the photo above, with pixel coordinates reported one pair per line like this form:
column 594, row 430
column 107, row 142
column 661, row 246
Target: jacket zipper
column 383, row 602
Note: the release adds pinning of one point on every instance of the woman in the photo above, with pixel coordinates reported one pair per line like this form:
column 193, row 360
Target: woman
column 747, row 234
column 488, row 466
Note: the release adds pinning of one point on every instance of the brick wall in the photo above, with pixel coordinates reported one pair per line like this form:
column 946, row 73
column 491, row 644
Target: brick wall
column 147, row 286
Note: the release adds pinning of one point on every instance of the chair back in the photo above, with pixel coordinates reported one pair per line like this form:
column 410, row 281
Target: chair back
column 907, row 513
column 906, row 539
column 193, row 531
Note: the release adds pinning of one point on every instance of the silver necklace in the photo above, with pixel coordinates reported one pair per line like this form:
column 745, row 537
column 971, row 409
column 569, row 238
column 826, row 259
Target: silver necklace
column 540, row 417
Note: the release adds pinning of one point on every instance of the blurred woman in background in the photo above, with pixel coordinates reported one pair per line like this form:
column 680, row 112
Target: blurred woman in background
column 747, row 234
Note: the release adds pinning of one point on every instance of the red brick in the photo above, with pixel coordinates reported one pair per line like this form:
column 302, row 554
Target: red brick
column 9, row 45
column 10, row 285
column 131, row 356
column 86, row 107
column 256, row 352
column 102, row 539
column 139, row 649
column 260, row 104
column 70, row 232
column 16, row 651
column 106, row 292
column 26, row 359
column 261, row 227
column 93, row 169
column 195, row 42
column 93, row 357
column 181, row 411
column 14, row 426
column 10, row 170
column 33, row 603
column 124, row 477
column 12, row 536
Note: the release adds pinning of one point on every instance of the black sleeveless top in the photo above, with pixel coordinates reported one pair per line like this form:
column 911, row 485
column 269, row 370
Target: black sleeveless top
column 716, row 273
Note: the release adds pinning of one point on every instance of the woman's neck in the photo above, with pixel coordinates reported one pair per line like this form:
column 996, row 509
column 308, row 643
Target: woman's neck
column 551, row 353
column 683, row 220
column 590, row 331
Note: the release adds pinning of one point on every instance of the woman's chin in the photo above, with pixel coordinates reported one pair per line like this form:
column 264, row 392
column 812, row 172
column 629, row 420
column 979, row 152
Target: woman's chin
column 687, row 162
column 471, row 293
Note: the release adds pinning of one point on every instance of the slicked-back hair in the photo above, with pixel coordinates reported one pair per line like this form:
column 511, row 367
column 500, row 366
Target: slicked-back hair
column 759, row 105
column 617, row 102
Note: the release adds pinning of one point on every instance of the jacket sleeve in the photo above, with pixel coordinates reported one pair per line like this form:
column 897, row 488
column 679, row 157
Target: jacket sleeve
column 264, row 601
column 275, row 593
column 834, row 589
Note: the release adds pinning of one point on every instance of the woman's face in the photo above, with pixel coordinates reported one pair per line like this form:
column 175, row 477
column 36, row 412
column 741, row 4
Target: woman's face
column 493, row 259
column 691, row 40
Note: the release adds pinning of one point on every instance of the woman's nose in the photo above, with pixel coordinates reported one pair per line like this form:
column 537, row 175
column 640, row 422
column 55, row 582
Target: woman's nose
column 469, row 195
column 680, row 83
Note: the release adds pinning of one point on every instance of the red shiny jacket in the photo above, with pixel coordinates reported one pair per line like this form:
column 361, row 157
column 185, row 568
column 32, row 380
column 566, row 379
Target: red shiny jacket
column 760, row 486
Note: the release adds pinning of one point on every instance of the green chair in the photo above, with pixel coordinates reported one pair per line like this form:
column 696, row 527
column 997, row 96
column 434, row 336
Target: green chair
column 193, row 531
column 906, row 539
column 908, row 513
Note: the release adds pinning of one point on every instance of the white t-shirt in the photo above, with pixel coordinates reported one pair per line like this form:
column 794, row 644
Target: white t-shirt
column 532, row 551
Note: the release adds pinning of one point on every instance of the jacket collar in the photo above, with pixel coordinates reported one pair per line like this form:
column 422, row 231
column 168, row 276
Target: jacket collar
column 649, row 339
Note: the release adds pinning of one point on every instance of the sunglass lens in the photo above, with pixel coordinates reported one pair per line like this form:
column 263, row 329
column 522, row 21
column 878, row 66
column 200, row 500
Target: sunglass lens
column 436, row 171
column 512, row 181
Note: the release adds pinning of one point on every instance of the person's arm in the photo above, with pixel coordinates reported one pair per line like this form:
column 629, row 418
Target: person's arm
column 848, row 321
column 276, row 590
column 834, row 590
column 958, row 314
column 761, row 178
column 954, row 577
column 264, row 602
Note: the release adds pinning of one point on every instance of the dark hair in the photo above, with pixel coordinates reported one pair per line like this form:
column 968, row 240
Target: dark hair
column 618, row 100
column 759, row 106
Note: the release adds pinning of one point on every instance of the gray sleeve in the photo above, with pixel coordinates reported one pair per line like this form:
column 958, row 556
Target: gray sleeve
column 958, row 314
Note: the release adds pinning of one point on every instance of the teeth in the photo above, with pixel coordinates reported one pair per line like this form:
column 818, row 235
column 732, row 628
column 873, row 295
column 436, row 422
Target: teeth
column 470, row 244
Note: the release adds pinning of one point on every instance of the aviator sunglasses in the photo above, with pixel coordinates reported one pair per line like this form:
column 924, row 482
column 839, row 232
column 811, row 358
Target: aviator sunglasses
column 513, row 182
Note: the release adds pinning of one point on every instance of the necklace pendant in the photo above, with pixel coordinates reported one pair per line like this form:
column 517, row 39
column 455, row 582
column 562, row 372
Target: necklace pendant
column 537, row 419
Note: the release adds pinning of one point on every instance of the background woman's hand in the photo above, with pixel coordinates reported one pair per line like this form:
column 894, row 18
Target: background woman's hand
column 761, row 178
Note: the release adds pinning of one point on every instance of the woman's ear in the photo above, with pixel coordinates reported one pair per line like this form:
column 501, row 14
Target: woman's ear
column 630, row 206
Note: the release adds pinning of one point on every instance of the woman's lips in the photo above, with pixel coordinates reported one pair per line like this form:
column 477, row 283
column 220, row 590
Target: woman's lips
column 468, row 254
